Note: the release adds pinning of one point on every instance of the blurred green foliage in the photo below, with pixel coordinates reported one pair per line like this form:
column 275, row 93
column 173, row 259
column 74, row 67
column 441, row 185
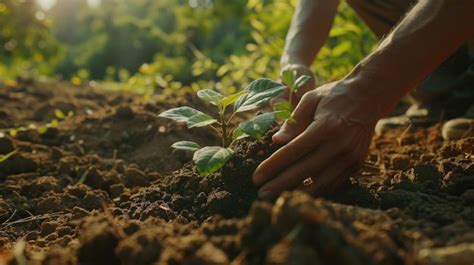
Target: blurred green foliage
column 153, row 45
column 26, row 45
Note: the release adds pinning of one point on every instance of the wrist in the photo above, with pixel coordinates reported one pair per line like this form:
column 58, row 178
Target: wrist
column 377, row 91
column 289, row 59
column 376, row 99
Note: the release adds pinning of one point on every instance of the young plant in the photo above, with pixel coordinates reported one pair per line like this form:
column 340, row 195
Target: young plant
column 209, row 159
column 4, row 158
column 294, row 83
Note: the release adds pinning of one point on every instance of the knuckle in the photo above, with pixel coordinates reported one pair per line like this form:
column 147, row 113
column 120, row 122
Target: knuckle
column 306, row 97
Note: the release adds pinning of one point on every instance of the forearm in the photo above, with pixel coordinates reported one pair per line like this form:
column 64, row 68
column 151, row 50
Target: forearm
column 428, row 35
column 309, row 30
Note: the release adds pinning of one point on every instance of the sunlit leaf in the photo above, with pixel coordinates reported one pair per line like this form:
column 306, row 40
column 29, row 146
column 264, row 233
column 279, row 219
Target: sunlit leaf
column 192, row 117
column 7, row 156
column 209, row 159
column 59, row 114
column 53, row 124
column 42, row 129
column 283, row 105
column 257, row 37
column 257, row 126
column 186, row 145
column 210, row 95
column 301, row 81
column 200, row 120
column 259, row 92
column 288, row 77
column 341, row 48
column 284, row 115
column 13, row 132
column 238, row 134
column 230, row 99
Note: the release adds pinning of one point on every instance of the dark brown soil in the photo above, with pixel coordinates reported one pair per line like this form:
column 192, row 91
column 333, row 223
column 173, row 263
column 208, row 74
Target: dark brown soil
column 105, row 188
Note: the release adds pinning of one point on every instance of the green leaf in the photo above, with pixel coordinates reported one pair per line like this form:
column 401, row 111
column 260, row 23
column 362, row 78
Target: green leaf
column 259, row 92
column 210, row 95
column 283, row 105
column 230, row 99
column 53, row 124
column 342, row 48
column 284, row 115
column 257, row 126
column 59, row 114
column 301, row 81
column 192, row 117
column 7, row 156
column 13, row 132
column 209, row 159
column 288, row 77
column 200, row 120
column 186, row 145
column 42, row 129
column 238, row 134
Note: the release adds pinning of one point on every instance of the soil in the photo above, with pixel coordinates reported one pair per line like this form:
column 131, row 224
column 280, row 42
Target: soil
column 104, row 187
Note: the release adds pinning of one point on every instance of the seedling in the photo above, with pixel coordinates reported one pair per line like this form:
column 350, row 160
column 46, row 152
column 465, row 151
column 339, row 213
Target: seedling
column 41, row 129
column 4, row 158
column 294, row 83
column 209, row 159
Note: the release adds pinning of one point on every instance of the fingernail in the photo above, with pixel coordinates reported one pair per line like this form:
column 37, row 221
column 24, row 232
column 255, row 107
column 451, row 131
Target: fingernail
column 265, row 194
column 280, row 136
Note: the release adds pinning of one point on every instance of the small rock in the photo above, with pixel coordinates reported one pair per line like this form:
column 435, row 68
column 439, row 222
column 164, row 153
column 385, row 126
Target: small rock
column 136, row 177
column 78, row 212
column 93, row 200
column 64, row 230
column 51, row 237
column 116, row 190
column 424, row 173
column 48, row 204
column 94, row 178
column 449, row 150
column 468, row 196
column 400, row 162
column 98, row 243
column 6, row 145
column 33, row 235
column 124, row 112
column 56, row 153
column 210, row 254
column 458, row 254
column 220, row 202
column 78, row 190
column 48, row 228
column 426, row 158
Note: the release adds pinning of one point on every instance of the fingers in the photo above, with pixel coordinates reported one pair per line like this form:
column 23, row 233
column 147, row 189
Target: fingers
column 293, row 176
column 289, row 154
column 333, row 176
column 303, row 115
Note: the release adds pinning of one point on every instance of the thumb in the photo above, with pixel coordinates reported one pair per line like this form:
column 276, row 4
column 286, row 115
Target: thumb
column 303, row 115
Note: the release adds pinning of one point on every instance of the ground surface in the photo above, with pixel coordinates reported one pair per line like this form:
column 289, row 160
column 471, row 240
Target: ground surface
column 99, row 189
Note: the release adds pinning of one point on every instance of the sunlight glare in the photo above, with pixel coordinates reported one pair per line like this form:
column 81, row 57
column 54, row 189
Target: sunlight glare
column 46, row 4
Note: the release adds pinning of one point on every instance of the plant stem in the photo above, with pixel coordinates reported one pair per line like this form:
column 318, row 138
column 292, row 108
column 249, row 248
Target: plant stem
column 230, row 119
column 224, row 129
column 290, row 97
column 215, row 130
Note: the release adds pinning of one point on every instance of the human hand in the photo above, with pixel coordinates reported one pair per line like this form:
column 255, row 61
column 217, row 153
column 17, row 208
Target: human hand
column 327, row 142
column 310, row 85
